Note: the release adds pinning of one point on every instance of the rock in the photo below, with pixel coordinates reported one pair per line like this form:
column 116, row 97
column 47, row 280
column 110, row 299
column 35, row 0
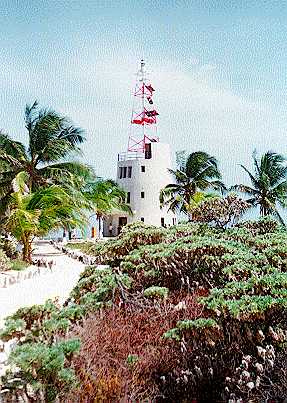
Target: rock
column 180, row 306
column 259, row 367
column 245, row 375
column 247, row 358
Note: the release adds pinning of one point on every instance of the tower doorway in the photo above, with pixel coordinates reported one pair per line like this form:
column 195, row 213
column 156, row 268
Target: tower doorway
column 122, row 222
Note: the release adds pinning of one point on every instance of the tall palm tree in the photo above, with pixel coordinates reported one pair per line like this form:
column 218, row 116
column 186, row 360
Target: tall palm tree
column 51, row 142
column 198, row 172
column 268, row 188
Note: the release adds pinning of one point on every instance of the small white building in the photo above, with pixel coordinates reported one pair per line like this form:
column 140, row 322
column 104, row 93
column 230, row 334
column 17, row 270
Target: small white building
column 142, row 176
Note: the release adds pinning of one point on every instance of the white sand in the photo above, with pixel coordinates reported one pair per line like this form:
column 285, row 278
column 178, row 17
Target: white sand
column 38, row 289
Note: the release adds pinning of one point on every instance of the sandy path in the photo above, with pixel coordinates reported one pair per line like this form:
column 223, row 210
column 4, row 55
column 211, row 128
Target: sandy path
column 38, row 289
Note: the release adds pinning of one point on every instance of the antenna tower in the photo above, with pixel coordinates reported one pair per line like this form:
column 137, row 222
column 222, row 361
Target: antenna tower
column 143, row 128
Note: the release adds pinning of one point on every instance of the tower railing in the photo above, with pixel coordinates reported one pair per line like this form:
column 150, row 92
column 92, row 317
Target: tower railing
column 130, row 156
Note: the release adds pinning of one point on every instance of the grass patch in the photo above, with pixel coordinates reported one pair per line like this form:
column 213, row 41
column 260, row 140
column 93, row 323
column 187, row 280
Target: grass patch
column 18, row 265
column 76, row 245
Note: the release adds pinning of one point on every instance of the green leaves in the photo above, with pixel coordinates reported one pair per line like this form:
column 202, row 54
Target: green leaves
column 112, row 252
column 198, row 172
column 156, row 292
column 106, row 197
column 196, row 325
column 12, row 150
column 13, row 328
column 99, row 285
column 51, row 136
column 47, row 365
column 46, row 209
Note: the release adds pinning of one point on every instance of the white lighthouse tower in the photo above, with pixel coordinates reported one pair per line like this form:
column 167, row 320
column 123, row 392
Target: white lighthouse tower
column 143, row 170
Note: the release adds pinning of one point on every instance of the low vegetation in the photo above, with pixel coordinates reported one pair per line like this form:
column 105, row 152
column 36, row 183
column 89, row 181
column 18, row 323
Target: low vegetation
column 190, row 312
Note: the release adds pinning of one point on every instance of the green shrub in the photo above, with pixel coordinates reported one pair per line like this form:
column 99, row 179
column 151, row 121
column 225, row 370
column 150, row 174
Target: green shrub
column 101, row 282
column 190, row 325
column 18, row 264
column 133, row 236
column 156, row 292
column 264, row 225
column 47, row 364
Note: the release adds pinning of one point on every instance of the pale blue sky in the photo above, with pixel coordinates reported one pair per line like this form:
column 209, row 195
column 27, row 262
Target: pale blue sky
column 219, row 69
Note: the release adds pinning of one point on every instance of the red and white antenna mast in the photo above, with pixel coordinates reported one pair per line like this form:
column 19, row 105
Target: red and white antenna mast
column 143, row 129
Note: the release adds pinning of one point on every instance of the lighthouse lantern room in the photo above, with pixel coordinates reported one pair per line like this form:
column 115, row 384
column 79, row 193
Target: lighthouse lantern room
column 143, row 170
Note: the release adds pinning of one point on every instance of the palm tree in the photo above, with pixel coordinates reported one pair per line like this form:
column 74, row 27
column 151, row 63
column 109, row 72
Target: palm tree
column 198, row 172
column 52, row 141
column 269, row 184
column 106, row 197
column 37, row 213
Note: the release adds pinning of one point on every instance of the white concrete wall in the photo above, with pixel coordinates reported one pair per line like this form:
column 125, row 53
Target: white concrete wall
column 155, row 178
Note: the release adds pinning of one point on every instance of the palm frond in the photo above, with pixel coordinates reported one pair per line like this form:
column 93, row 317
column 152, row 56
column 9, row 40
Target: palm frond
column 198, row 161
column 279, row 217
column 72, row 173
column 73, row 135
column 51, row 136
column 244, row 189
column 14, row 149
column 253, row 180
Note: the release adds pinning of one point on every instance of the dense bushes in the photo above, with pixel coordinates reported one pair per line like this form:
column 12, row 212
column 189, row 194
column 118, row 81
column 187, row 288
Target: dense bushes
column 190, row 312
column 127, row 361
column 132, row 236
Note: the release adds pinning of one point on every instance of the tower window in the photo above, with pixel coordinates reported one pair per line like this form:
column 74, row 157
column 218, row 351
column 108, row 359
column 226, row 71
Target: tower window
column 142, row 195
column 125, row 172
column 173, row 221
column 128, row 197
column 121, row 172
column 143, row 168
column 129, row 172
column 142, row 219
column 162, row 222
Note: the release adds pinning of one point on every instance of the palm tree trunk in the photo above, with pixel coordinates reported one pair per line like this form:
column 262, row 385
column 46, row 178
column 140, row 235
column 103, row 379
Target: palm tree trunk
column 27, row 248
